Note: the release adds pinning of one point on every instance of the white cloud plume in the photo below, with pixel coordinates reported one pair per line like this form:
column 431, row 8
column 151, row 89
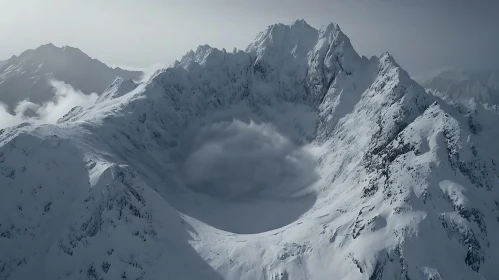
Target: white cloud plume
column 148, row 72
column 65, row 98
column 7, row 119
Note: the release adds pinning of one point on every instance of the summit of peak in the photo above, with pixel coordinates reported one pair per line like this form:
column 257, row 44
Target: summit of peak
column 49, row 51
column 203, row 48
column 51, row 46
column 332, row 30
column 48, row 46
column 299, row 33
column 45, row 49
column 301, row 23
column 386, row 56
column 387, row 59
column 196, row 56
column 331, row 26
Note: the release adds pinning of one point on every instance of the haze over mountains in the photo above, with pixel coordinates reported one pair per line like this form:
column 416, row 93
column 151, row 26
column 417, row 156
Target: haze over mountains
column 294, row 159
column 463, row 86
column 28, row 77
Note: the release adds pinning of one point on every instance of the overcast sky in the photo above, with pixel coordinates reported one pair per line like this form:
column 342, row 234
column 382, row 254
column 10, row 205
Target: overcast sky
column 422, row 35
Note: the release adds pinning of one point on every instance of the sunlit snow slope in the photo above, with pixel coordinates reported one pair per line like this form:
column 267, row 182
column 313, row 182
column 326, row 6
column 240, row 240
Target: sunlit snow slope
column 294, row 159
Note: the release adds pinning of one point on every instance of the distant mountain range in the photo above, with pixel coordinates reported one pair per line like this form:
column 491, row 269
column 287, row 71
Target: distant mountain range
column 463, row 86
column 26, row 77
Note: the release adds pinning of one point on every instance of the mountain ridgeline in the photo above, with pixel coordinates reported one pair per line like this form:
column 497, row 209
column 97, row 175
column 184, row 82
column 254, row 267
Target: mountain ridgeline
column 294, row 159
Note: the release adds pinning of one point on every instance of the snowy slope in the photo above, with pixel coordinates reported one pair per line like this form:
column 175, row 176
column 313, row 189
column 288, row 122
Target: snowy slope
column 294, row 159
column 27, row 76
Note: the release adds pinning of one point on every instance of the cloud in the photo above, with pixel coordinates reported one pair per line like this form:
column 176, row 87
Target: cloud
column 65, row 98
column 7, row 119
column 148, row 72
column 238, row 160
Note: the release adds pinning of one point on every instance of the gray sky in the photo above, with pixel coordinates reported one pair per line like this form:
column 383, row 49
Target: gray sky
column 423, row 35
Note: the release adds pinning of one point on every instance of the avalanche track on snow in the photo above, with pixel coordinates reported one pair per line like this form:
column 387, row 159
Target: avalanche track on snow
column 294, row 159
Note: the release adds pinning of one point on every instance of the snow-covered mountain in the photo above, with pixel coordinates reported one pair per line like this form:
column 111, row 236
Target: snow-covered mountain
column 294, row 159
column 26, row 77
column 463, row 86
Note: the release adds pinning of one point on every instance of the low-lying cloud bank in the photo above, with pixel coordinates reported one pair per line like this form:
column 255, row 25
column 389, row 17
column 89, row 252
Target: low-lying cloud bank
column 65, row 98
column 238, row 160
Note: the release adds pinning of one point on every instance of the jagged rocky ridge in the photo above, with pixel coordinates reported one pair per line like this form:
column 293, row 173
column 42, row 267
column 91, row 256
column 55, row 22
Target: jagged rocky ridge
column 294, row 159
column 26, row 77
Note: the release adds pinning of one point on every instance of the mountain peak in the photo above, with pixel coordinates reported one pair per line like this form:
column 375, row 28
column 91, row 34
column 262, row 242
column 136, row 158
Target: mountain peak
column 48, row 52
column 51, row 46
column 297, row 28
column 299, row 35
column 386, row 57
column 301, row 23
column 331, row 26
column 48, row 46
column 40, row 52
column 24, row 77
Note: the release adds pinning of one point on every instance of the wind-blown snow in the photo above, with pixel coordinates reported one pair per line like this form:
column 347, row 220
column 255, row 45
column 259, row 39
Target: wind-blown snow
column 295, row 159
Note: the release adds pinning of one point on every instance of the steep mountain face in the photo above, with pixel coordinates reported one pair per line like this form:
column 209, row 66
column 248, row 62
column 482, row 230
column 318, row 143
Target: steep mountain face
column 464, row 86
column 294, row 159
column 26, row 77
